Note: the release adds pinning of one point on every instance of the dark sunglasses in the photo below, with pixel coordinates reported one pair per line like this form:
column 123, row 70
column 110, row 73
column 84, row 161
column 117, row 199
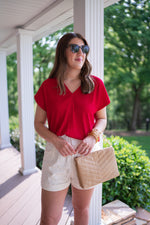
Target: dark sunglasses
column 75, row 48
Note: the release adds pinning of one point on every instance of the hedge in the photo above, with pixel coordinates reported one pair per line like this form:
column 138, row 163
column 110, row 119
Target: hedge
column 133, row 184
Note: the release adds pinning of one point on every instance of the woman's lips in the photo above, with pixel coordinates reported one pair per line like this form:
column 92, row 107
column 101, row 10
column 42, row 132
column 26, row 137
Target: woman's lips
column 79, row 59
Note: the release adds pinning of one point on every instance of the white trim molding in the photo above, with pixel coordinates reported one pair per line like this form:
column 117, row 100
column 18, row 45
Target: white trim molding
column 4, row 114
column 26, row 101
column 89, row 21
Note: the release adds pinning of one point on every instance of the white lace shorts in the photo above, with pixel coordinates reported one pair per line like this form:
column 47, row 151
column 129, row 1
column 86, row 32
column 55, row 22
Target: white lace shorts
column 58, row 172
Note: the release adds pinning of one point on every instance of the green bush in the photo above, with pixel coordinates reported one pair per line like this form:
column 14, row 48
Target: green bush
column 13, row 123
column 14, row 131
column 133, row 184
column 14, row 138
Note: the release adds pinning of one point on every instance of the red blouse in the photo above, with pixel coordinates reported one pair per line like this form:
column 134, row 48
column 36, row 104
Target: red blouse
column 72, row 114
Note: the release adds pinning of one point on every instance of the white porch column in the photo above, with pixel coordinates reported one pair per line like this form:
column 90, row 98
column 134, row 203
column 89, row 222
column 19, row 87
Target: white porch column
column 4, row 117
column 26, row 101
column 89, row 21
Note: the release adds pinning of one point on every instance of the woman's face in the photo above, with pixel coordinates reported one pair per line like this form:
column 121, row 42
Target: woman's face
column 75, row 60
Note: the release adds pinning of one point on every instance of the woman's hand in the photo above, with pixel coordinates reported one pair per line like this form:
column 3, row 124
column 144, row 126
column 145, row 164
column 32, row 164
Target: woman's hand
column 86, row 145
column 63, row 147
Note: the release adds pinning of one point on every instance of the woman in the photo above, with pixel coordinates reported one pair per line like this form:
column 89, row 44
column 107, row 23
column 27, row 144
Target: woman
column 74, row 104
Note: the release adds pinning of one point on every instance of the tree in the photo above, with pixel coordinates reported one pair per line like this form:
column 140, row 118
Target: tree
column 127, row 53
column 12, row 83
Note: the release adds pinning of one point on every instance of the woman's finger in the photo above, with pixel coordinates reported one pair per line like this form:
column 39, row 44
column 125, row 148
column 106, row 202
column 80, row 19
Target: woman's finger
column 65, row 148
column 82, row 147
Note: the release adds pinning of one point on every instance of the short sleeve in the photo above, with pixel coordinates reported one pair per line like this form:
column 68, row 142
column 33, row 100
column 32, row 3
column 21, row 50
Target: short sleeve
column 40, row 97
column 102, row 98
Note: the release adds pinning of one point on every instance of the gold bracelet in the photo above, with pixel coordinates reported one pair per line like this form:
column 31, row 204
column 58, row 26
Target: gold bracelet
column 96, row 134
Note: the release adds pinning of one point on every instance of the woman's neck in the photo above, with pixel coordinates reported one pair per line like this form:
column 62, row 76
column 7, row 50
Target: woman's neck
column 72, row 75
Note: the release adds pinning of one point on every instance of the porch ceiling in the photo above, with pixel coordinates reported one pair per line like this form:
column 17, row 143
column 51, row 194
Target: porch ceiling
column 43, row 17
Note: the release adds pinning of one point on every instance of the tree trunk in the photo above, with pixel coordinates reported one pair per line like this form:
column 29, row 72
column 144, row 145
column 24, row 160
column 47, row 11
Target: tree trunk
column 139, row 119
column 135, row 110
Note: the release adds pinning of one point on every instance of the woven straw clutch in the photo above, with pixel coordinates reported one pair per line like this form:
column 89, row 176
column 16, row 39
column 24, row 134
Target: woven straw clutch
column 97, row 167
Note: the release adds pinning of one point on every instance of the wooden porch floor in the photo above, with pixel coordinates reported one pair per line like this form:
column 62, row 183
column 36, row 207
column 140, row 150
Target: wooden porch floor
column 20, row 196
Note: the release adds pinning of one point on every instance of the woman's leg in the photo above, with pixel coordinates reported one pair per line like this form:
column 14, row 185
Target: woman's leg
column 81, row 202
column 52, row 205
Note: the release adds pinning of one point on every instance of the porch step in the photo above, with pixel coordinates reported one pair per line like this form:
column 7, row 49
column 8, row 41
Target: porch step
column 119, row 213
column 142, row 216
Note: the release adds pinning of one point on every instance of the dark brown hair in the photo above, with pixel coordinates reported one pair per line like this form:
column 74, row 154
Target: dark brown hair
column 87, row 84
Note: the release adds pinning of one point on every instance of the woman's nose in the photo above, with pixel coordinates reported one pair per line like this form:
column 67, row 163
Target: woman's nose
column 80, row 51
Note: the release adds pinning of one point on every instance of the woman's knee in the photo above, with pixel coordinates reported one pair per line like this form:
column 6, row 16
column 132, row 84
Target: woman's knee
column 81, row 201
column 50, row 219
column 81, row 210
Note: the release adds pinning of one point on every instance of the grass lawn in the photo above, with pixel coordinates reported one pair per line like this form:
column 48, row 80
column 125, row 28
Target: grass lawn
column 143, row 141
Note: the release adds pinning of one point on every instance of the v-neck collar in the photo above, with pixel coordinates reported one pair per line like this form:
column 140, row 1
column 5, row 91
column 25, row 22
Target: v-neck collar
column 73, row 91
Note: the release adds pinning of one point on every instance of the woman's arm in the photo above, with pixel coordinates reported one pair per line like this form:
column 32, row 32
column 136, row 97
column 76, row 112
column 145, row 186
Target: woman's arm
column 101, row 120
column 39, row 123
column 85, row 147
column 40, row 127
